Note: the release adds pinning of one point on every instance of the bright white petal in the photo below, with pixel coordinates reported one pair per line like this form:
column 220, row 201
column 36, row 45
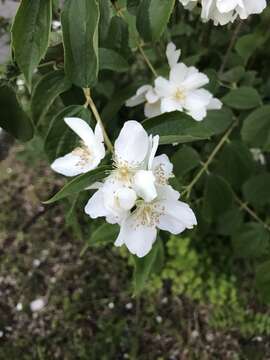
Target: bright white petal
column 227, row 6
column 95, row 207
column 178, row 74
column 138, row 239
column 172, row 54
column 99, row 133
column 144, row 185
column 153, row 146
column 195, row 81
column 214, row 104
column 132, row 143
column 177, row 217
column 164, row 87
column 82, row 129
column 170, row 104
column 126, row 198
column 71, row 165
column 151, row 96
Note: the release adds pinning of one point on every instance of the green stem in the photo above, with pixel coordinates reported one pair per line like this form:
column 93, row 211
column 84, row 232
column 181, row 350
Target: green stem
column 205, row 166
column 89, row 102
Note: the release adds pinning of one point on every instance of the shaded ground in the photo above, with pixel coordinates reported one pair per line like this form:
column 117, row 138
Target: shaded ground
column 89, row 312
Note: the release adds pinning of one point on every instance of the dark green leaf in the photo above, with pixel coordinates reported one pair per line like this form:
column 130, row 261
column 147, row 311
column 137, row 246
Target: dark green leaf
column 118, row 37
column 252, row 240
column 230, row 222
column 80, row 183
column 132, row 6
column 152, row 18
column 105, row 8
column 256, row 128
column 30, row 34
column 257, row 190
column 146, row 265
column 46, row 91
column 177, row 127
column 243, row 98
column 184, row 160
column 80, row 21
column 111, row 60
column 60, row 139
column 246, row 45
column 235, row 163
column 218, row 197
column 13, row 119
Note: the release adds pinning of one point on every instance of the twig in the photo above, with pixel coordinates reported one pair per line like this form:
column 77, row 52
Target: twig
column 90, row 102
column 205, row 166
column 230, row 47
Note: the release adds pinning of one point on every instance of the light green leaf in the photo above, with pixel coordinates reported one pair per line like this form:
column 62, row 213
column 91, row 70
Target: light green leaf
column 104, row 234
column 243, row 98
column 152, row 18
column 13, row 119
column 177, row 127
column 256, row 128
column 80, row 183
column 30, row 34
column 80, row 21
column 46, row 91
column 111, row 60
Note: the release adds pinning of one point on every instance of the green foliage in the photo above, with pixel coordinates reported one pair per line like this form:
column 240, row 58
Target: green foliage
column 30, row 34
column 80, row 39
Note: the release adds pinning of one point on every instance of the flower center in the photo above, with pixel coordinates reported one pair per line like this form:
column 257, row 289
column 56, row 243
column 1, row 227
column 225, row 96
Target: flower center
column 179, row 95
column 123, row 173
column 84, row 153
column 148, row 214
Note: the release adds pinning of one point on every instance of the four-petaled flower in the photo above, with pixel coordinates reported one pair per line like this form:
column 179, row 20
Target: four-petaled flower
column 181, row 92
column 137, row 195
column 85, row 157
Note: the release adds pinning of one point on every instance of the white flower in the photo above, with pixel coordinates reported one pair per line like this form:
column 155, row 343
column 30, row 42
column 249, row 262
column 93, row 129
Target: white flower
column 181, row 92
column 129, row 178
column 85, row 157
column 189, row 4
column 137, row 195
column 37, row 305
column 224, row 11
column 138, row 231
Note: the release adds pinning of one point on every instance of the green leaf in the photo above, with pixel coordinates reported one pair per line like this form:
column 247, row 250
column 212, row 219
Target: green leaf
column 105, row 8
column 111, row 60
column 218, row 197
column 132, row 6
column 246, row 45
column 243, row 98
column 235, row 163
column 30, row 34
column 104, row 234
column 185, row 160
column 262, row 280
column 178, row 127
column 13, row 119
column 80, row 183
column 152, row 18
column 146, row 265
column 256, row 128
column 46, row 91
column 230, row 222
column 257, row 190
column 60, row 139
column 80, row 21
column 252, row 240
column 118, row 37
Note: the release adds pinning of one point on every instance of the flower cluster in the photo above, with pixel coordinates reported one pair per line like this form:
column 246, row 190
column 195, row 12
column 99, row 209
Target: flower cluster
column 136, row 194
column 183, row 91
column 223, row 12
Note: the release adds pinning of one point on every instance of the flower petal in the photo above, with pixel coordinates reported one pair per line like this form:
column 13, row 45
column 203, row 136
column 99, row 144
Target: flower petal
column 153, row 146
column 132, row 143
column 139, row 98
column 144, row 185
column 95, row 207
column 195, row 81
column 171, row 104
column 138, row 239
column 152, row 110
column 71, row 165
column 162, row 168
column 82, row 129
column 164, row 87
column 172, row 54
column 178, row 74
